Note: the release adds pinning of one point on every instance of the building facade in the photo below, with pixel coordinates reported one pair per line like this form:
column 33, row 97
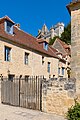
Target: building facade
column 21, row 53
column 64, row 52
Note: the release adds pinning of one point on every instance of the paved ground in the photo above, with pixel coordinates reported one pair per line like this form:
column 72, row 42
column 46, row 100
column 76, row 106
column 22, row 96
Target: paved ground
column 17, row 113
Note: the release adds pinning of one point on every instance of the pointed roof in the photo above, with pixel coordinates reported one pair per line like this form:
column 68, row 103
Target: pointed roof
column 64, row 45
column 44, row 29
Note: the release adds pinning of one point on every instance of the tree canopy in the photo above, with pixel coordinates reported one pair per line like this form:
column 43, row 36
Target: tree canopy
column 65, row 36
column 52, row 40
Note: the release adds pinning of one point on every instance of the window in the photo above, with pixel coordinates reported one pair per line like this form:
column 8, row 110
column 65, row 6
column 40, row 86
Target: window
column 9, row 27
column 63, row 70
column 58, row 70
column 45, row 45
column 26, row 58
column 48, row 67
column 26, row 78
column 11, row 77
column 42, row 60
column 7, row 53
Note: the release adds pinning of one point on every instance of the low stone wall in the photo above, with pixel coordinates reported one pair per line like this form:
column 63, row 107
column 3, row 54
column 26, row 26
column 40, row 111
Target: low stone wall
column 58, row 95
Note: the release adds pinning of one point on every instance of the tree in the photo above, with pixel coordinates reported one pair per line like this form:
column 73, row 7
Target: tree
column 66, row 35
column 52, row 40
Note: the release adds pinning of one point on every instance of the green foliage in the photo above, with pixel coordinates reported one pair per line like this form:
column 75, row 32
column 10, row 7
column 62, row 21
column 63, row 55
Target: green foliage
column 66, row 35
column 74, row 112
column 52, row 40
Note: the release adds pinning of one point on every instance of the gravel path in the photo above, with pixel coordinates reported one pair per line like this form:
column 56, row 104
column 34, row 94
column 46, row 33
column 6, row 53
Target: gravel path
column 16, row 113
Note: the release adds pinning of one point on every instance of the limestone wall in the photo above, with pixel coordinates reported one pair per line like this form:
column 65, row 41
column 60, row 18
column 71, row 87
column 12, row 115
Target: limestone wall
column 75, row 44
column 58, row 95
column 17, row 67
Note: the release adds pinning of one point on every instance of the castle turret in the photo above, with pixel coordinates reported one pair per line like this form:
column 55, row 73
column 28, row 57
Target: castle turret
column 52, row 32
column 59, row 29
column 44, row 29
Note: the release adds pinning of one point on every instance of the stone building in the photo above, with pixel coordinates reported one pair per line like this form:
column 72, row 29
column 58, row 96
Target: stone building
column 22, row 54
column 64, row 52
column 62, row 66
column 55, row 30
column 74, row 10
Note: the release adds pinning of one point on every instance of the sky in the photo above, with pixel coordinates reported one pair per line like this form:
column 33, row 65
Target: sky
column 32, row 14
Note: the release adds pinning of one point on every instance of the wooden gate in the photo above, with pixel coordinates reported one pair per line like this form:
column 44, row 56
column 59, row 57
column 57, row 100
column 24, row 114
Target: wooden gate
column 24, row 92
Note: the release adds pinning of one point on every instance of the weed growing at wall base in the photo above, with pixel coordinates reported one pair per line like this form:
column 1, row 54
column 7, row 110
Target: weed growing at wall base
column 74, row 112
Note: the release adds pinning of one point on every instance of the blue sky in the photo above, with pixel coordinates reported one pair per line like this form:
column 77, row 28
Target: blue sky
column 32, row 14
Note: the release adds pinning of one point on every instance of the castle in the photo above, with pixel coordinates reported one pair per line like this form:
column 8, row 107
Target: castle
column 55, row 30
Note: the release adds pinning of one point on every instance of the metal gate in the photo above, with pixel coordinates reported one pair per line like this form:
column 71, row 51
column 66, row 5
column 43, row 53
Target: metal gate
column 24, row 92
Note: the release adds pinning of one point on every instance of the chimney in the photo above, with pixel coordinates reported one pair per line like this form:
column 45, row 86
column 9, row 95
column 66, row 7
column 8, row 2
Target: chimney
column 17, row 25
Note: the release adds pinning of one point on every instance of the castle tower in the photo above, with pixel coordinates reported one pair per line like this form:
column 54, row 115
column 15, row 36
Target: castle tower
column 74, row 10
column 52, row 32
column 44, row 29
column 59, row 29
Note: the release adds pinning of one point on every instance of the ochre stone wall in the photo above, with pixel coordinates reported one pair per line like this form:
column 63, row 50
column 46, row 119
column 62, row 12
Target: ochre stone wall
column 75, row 44
column 17, row 67
column 58, row 96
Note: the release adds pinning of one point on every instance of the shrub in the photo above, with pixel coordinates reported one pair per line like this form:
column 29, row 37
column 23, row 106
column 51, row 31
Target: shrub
column 74, row 112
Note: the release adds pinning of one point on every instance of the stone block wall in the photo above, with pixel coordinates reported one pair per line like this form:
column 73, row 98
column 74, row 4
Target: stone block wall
column 17, row 67
column 58, row 95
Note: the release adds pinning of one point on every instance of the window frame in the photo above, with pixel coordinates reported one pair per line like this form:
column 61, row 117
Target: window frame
column 8, row 27
column 48, row 67
column 42, row 60
column 7, row 54
column 26, row 58
column 63, row 70
column 45, row 44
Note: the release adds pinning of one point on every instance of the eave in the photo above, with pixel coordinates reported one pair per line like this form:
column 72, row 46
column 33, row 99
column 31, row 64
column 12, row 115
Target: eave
column 72, row 4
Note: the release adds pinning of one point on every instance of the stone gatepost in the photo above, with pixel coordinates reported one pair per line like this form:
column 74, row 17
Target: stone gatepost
column 74, row 10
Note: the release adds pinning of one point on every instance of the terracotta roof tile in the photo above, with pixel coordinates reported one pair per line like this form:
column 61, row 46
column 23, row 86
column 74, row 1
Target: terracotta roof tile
column 23, row 38
column 42, row 40
column 65, row 46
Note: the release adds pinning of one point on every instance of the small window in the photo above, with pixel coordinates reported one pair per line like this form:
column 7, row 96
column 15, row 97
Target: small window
column 7, row 53
column 26, row 78
column 45, row 45
column 48, row 67
column 42, row 60
column 11, row 77
column 63, row 70
column 9, row 27
column 26, row 58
